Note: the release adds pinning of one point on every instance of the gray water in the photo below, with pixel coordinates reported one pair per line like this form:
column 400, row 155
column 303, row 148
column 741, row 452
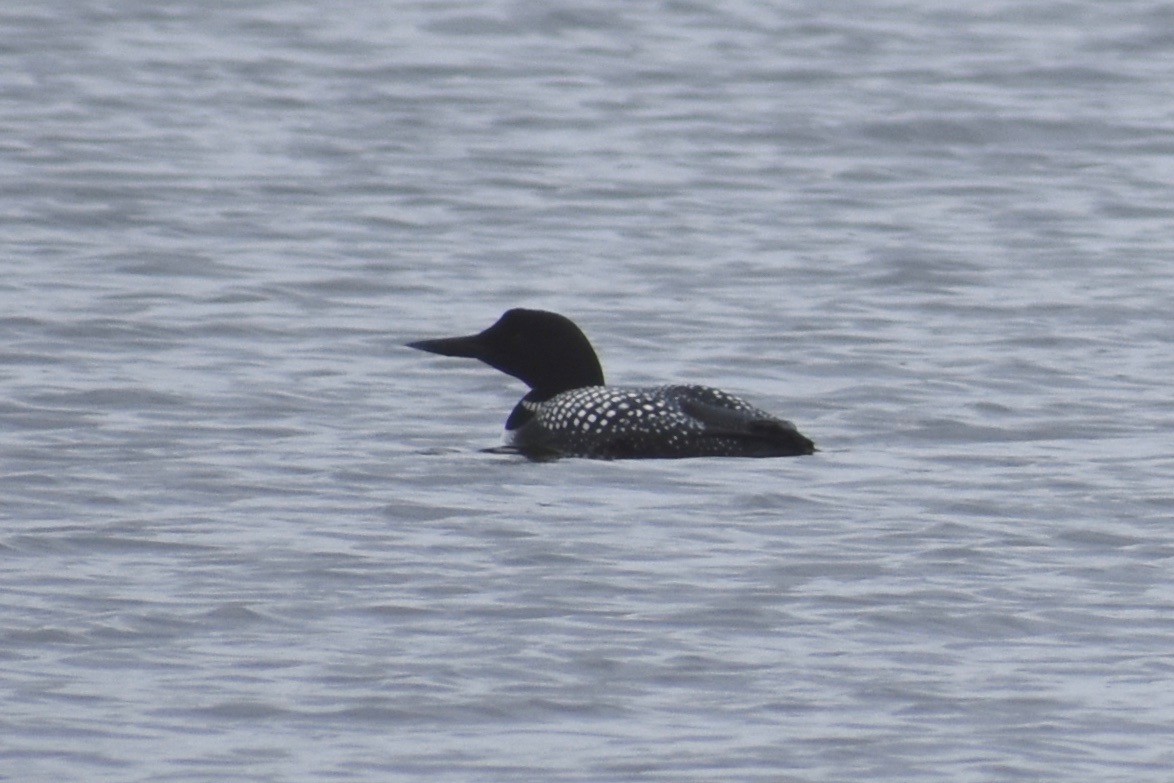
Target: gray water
column 246, row 535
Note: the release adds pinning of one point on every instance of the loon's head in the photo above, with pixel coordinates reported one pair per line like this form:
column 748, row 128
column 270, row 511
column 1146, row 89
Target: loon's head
column 544, row 350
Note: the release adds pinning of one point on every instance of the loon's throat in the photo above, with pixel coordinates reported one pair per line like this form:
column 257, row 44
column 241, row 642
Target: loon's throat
column 519, row 416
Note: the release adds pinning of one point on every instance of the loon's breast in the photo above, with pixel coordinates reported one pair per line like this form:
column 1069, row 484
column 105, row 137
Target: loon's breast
column 611, row 422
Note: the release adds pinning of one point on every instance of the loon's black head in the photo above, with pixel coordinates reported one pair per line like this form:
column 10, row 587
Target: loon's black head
column 544, row 350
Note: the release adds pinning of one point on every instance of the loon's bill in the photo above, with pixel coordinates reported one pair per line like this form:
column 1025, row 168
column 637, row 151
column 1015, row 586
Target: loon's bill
column 569, row 412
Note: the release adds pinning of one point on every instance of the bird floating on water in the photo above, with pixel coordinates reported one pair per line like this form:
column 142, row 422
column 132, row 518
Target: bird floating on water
column 569, row 412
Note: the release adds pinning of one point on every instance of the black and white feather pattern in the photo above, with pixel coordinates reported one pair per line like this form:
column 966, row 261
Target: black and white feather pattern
column 612, row 422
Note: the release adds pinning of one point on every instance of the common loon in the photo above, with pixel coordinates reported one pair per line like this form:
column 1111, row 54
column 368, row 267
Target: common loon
column 570, row 413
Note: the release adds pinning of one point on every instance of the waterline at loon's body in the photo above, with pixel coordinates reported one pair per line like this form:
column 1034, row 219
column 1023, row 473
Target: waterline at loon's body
column 569, row 412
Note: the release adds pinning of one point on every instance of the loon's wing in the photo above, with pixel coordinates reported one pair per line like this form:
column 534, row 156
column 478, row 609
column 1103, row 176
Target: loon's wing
column 727, row 421
column 722, row 421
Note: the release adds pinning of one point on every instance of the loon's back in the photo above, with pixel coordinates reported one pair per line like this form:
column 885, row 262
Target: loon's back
column 616, row 422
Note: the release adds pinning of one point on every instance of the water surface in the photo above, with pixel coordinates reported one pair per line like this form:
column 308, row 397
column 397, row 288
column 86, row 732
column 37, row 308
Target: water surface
column 247, row 535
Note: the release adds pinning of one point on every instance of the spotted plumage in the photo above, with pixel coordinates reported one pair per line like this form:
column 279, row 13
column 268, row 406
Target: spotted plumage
column 609, row 422
column 570, row 413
